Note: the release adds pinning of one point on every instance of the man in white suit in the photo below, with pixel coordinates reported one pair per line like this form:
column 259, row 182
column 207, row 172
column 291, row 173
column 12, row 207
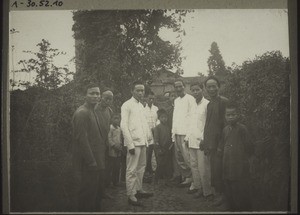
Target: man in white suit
column 137, row 135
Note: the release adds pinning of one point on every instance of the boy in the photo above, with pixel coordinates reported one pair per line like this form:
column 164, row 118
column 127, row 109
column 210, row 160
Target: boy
column 162, row 147
column 236, row 148
column 115, row 149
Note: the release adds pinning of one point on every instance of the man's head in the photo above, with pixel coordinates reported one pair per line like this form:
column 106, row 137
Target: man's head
column 150, row 98
column 212, row 85
column 162, row 116
column 138, row 90
column 172, row 96
column 231, row 113
column 92, row 95
column 196, row 89
column 116, row 118
column 179, row 87
column 107, row 98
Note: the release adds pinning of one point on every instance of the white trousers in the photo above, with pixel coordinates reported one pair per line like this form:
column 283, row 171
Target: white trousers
column 200, row 166
column 182, row 156
column 135, row 170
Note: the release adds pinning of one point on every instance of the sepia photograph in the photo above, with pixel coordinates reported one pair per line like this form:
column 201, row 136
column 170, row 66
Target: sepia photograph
column 149, row 111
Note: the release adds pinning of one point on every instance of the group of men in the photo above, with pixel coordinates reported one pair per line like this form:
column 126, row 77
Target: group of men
column 196, row 130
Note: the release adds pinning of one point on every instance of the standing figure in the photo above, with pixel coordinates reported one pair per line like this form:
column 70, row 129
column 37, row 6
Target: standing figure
column 162, row 147
column 236, row 149
column 151, row 116
column 215, row 122
column 136, row 137
column 184, row 109
column 89, row 152
column 115, row 149
column 104, row 112
column 200, row 163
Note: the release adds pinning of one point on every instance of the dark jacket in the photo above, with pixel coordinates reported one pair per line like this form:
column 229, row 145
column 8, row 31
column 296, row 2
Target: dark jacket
column 89, row 144
column 215, row 122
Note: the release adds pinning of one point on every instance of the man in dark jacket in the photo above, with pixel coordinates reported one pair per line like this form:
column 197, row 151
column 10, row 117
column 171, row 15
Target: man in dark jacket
column 89, row 152
column 215, row 122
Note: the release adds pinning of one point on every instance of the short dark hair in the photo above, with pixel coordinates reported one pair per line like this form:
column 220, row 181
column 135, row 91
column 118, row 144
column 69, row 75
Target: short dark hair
column 231, row 105
column 136, row 83
column 105, row 89
column 161, row 112
column 212, row 78
column 179, row 80
column 197, row 84
column 90, row 85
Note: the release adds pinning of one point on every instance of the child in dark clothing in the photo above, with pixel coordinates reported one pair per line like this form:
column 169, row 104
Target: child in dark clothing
column 236, row 149
column 162, row 147
column 115, row 149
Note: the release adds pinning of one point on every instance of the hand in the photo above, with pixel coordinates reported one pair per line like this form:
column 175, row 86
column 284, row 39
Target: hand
column 201, row 146
column 206, row 152
column 173, row 138
column 132, row 151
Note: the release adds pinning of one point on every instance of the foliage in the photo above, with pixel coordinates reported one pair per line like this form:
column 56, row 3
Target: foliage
column 134, row 51
column 216, row 64
column 261, row 89
column 48, row 75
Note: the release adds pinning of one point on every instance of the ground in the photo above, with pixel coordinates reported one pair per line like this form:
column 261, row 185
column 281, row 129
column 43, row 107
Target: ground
column 165, row 199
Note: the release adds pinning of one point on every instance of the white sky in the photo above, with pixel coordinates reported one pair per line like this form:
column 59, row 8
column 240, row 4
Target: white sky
column 240, row 34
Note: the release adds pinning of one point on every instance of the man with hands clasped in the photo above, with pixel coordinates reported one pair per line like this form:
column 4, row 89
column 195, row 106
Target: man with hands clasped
column 137, row 135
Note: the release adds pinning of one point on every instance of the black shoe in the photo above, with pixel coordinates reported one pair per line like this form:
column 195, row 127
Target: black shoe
column 143, row 195
column 134, row 203
column 192, row 191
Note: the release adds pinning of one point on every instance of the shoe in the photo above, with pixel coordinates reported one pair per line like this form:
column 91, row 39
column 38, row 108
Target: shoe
column 218, row 200
column 143, row 195
column 192, row 191
column 134, row 203
column 198, row 195
column 209, row 198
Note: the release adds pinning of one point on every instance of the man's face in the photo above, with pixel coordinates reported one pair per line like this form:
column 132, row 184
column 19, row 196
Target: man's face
column 107, row 98
column 93, row 95
column 116, row 121
column 231, row 116
column 212, row 88
column 179, row 88
column 163, row 118
column 138, row 92
column 172, row 97
column 150, row 100
column 196, row 92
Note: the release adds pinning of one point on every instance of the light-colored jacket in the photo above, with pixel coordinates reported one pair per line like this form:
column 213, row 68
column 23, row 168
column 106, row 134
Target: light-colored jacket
column 114, row 140
column 198, row 124
column 134, row 125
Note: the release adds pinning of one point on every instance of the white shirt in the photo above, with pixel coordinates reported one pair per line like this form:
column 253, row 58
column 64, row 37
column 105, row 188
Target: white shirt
column 184, row 109
column 198, row 124
column 134, row 125
column 151, row 115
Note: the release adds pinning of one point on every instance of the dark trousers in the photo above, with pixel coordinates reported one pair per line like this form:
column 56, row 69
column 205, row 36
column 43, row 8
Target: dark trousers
column 216, row 171
column 164, row 165
column 238, row 195
column 123, row 168
column 149, row 152
column 91, row 190
column 114, row 169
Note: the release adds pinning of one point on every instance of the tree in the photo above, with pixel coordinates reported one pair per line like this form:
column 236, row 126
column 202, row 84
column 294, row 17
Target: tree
column 216, row 64
column 48, row 75
column 117, row 47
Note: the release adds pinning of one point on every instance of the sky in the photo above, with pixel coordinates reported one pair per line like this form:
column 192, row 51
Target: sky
column 241, row 34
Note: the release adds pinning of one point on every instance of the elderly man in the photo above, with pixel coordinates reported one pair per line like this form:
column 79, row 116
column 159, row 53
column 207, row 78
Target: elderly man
column 89, row 152
column 137, row 135
column 184, row 109
column 104, row 112
column 215, row 122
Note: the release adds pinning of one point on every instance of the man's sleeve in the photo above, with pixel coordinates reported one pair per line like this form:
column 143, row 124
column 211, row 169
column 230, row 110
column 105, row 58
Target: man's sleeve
column 191, row 118
column 81, row 137
column 221, row 142
column 124, row 127
column 156, row 135
column 110, row 138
